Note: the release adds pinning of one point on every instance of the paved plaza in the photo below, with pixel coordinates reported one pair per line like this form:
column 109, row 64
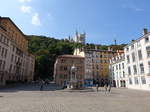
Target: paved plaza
column 29, row 99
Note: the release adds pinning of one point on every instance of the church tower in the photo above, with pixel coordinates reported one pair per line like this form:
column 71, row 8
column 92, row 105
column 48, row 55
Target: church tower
column 80, row 38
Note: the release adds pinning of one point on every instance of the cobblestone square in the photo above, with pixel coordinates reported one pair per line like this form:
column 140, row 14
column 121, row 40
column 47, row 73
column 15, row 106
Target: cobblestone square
column 30, row 99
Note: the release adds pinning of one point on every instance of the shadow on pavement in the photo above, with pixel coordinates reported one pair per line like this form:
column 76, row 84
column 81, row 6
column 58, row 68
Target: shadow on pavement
column 30, row 87
column 79, row 90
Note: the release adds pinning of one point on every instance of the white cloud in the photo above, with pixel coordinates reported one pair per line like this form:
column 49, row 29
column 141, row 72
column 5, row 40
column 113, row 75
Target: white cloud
column 24, row 1
column 133, row 7
column 25, row 9
column 35, row 19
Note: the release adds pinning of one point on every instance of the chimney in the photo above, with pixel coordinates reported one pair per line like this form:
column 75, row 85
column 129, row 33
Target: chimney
column 145, row 31
column 96, row 47
column 109, row 49
column 132, row 40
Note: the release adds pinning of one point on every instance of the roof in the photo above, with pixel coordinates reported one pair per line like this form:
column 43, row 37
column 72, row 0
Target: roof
column 7, row 18
column 97, row 50
column 70, row 56
column 1, row 25
column 116, row 55
column 137, row 39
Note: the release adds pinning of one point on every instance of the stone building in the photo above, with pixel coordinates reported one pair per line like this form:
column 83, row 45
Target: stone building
column 96, row 63
column 16, row 63
column 62, row 69
column 137, row 57
column 117, row 70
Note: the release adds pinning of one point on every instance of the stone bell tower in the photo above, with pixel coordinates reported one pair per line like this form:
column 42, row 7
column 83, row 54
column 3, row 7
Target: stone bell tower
column 80, row 38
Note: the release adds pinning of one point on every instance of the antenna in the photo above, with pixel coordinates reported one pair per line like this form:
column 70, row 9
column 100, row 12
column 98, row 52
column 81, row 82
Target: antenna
column 76, row 32
column 115, row 41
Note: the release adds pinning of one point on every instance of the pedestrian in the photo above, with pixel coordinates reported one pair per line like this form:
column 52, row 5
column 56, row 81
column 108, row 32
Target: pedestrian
column 97, row 86
column 109, row 86
column 106, row 85
column 42, row 85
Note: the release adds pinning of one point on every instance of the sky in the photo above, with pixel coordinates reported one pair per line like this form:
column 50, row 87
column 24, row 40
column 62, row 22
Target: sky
column 102, row 20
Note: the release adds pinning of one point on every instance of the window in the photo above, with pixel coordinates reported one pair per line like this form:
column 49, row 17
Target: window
column 10, row 68
column 146, row 39
column 128, row 59
column 12, row 58
column 149, row 66
column 143, row 80
column 136, row 81
column 61, row 76
column 116, row 67
column 148, row 51
column 123, row 65
column 130, row 81
column 15, row 58
column 97, row 66
column 133, row 57
column 132, row 46
column 127, row 49
column 0, row 64
column 135, row 69
column 65, row 68
column 142, row 68
column 1, row 37
column 13, row 48
column 2, row 52
column 5, row 53
column 140, row 54
column 62, row 61
column 119, row 66
column 129, row 71
column 123, row 74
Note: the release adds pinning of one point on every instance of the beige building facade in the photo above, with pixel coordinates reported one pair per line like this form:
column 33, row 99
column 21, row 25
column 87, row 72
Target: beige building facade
column 16, row 63
column 62, row 69
column 96, row 63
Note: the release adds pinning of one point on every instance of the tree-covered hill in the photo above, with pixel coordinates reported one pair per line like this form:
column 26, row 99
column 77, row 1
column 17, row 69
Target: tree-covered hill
column 47, row 49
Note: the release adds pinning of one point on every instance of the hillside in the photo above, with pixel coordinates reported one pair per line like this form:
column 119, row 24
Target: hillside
column 46, row 51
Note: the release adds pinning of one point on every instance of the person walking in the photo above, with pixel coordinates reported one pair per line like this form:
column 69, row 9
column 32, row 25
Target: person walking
column 97, row 85
column 109, row 86
column 106, row 85
column 42, row 85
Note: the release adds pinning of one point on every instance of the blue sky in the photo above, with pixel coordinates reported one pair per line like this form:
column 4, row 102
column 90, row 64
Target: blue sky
column 102, row 20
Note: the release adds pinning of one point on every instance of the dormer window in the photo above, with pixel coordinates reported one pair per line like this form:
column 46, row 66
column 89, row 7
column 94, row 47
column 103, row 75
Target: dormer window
column 127, row 49
column 132, row 46
column 146, row 39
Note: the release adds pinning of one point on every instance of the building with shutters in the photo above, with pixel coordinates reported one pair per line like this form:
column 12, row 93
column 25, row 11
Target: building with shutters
column 16, row 63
